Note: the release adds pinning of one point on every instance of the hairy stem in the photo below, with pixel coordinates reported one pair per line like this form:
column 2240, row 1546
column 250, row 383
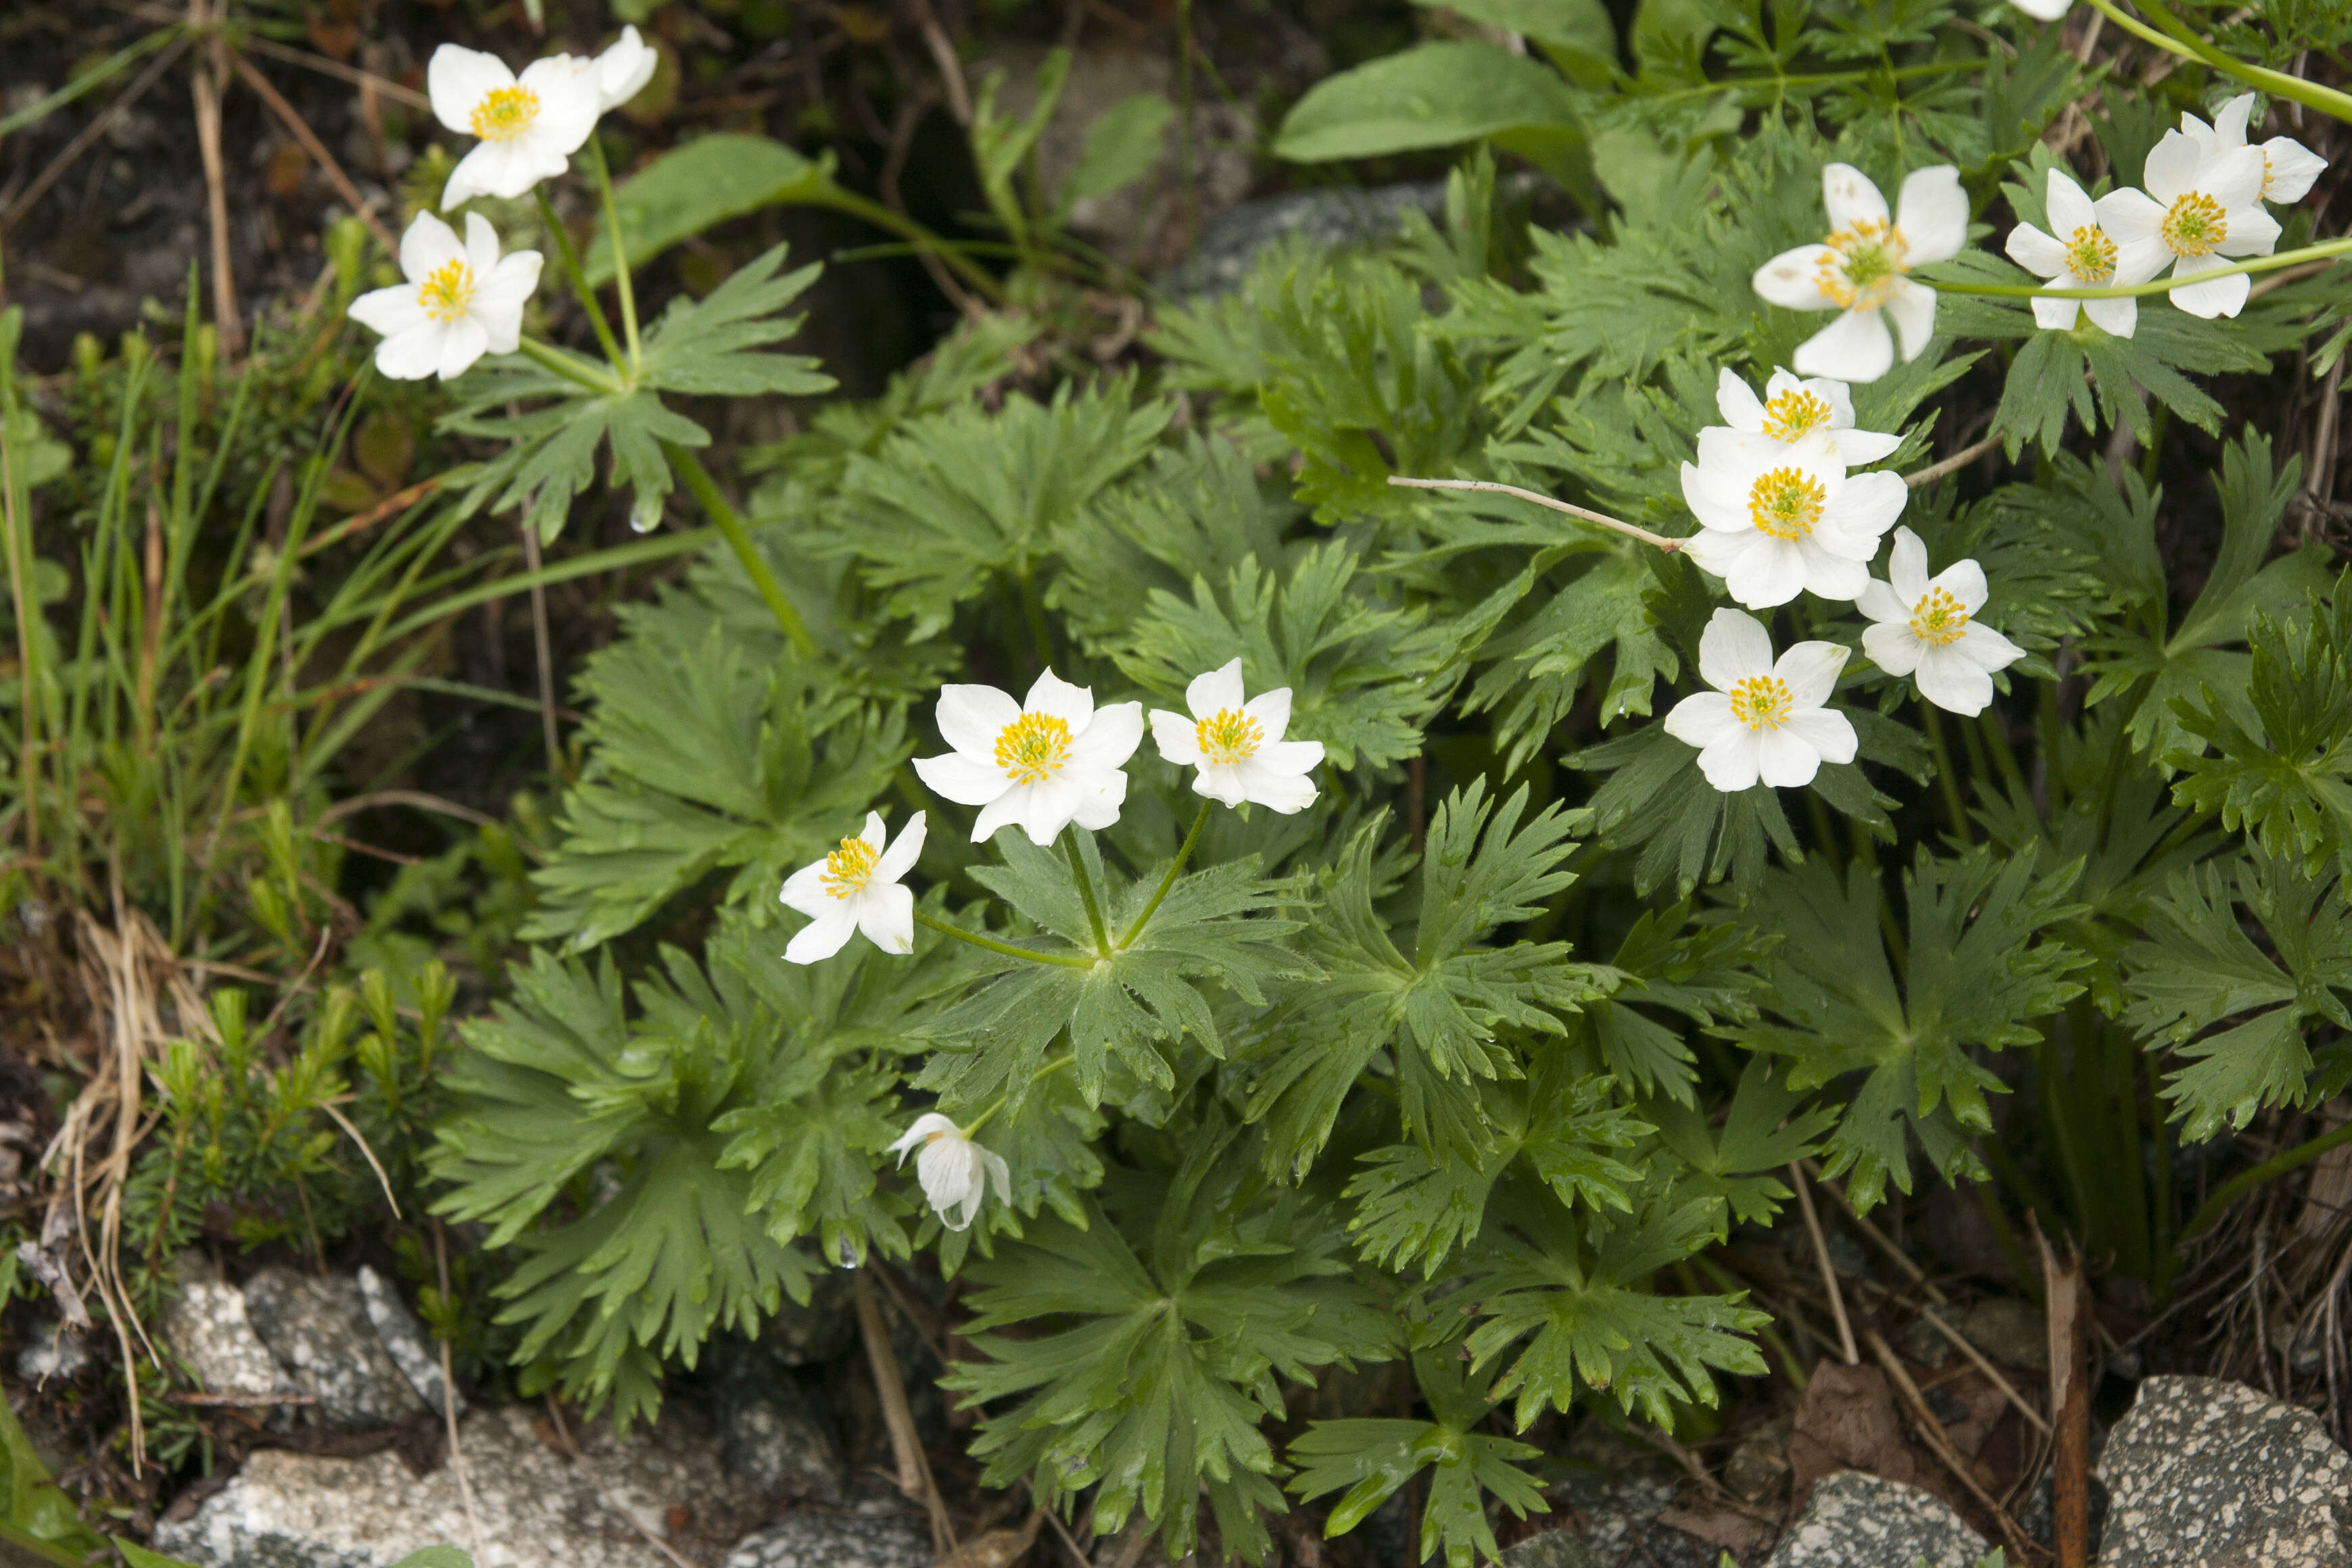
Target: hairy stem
column 1175, row 868
column 1086, row 895
column 1006, row 949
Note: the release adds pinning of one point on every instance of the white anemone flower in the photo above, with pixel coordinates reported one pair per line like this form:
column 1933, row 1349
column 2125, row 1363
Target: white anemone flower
column 2200, row 210
column 2043, row 10
column 1859, row 270
column 1773, row 524
column 2080, row 254
column 1926, row 628
column 460, row 302
column 856, row 888
column 1764, row 720
column 1237, row 746
column 623, row 69
column 2288, row 166
column 955, row 1171
column 1815, row 415
column 530, row 126
column 1044, row 763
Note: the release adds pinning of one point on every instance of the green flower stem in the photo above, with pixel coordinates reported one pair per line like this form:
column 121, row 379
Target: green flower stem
column 2238, row 1186
column 1175, row 868
column 1087, row 894
column 738, row 538
column 2311, row 95
column 1043, row 1073
column 2141, row 30
column 977, row 277
column 2321, row 252
column 569, row 366
column 570, row 257
column 1005, row 948
column 620, row 252
column 1949, row 780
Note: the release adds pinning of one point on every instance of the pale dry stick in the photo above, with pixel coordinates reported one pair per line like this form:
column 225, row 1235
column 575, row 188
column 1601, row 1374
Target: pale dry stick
column 1952, row 465
column 91, row 133
column 1961, row 1343
column 906, row 1443
column 365, row 1152
column 543, row 646
column 1489, row 485
column 1940, row 1445
column 369, row 80
column 943, row 56
column 2321, row 469
column 449, row 1403
column 2065, row 1296
column 294, row 123
column 1077, row 1553
column 416, row 798
column 1829, row 1274
column 205, row 82
column 604, row 1498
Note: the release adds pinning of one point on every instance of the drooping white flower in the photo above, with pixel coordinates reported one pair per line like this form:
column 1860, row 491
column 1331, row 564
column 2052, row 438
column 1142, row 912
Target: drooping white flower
column 1815, row 415
column 2081, row 254
column 1044, row 763
column 955, row 1171
column 1926, row 628
column 1765, row 718
column 2043, row 10
column 1776, row 523
column 530, row 128
column 623, row 69
column 2197, row 212
column 460, row 302
column 1237, row 746
column 1861, row 269
column 856, row 888
column 2288, row 166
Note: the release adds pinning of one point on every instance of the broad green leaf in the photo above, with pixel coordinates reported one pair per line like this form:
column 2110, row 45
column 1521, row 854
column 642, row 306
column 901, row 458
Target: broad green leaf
column 1122, row 147
column 1434, row 95
column 698, row 185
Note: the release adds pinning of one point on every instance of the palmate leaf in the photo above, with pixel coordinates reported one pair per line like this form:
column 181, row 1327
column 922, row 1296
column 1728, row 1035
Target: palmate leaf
column 1668, row 961
column 1763, row 1131
column 1973, row 974
column 1434, row 1018
column 2200, row 966
column 1153, row 1343
column 1372, row 1459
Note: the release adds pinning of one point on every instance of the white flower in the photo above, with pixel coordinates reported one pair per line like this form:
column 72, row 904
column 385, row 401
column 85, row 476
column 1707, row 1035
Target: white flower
column 955, row 1171
column 1860, row 270
column 622, row 70
column 1044, row 764
column 1774, row 523
column 2288, row 166
column 2198, row 210
column 1763, row 720
column 460, row 302
column 1925, row 628
column 856, row 888
column 1237, row 746
column 1815, row 415
column 529, row 128
column 2043, row 10
column 2081, row 255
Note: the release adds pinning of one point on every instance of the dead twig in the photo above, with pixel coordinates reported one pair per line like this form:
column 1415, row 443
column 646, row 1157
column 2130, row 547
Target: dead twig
column 1952, row 465
column 1940, row 1444
column 1669, row 546
column 292, row 119
column 906, row 1444
column 211, row 71
column 2066, row 1297
column 1829, row 1274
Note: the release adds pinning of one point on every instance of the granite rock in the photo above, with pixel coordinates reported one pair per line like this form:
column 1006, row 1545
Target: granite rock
column 208, row 1327
column 816, row 1539
column 778, row 1440
column 1552, row 1548
column 2218, row 1474
column 52, row 1350
column 1856, row 1520
column 412, row 1350
column 317, row 1329
column 1621, row 1507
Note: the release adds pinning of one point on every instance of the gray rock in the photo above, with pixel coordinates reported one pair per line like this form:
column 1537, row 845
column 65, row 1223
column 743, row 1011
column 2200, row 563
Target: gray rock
column 208, row 1326
column 778, row 1440
column 1623, row 1506
column 1552, row 1548
column 813, row 1540
column 804, row 1335
column 318, row 1329
column 1856, row 1520
column 2206, row 1471
column 2009, row 1330
column 538, row 1507
column 405, row 1339
column 1332, row 215
column 52, row 1350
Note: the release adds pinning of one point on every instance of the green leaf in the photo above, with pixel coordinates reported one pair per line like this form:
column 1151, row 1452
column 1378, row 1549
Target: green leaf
column 1123, row 146
column 1670, row 962
column 1764, row 1131
column 709, row 347
column 1576, row 33
column 41, row 1519
column 1432, row 95
column 138, row 1556
column 698, row 185
column 431, row 1557
column 1000, row 145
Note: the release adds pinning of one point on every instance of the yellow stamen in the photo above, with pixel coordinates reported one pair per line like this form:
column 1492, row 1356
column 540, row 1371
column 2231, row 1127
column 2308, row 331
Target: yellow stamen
column 2091, row 257
column 446, row 293
column 1763, row 702
column 1793, row 413
column 1034, row 747
column 505, row 113
column 849, row 868
column 2195, row 226
column 1786, row 503
column 1228, row 737
column 2267, row 168
column 1864, row 264
column 1938, row 618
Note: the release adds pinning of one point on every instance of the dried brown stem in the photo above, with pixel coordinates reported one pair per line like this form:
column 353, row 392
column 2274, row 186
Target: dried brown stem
column 300, row 128
column 1829, row 1274
column 1940, row 1444
column 898, row 1418
column 1952, row 465
column 1582, row 513
column 2065, row 1296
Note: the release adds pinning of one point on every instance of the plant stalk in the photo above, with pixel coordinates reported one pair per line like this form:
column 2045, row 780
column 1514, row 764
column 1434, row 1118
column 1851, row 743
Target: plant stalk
column 1007, row 949
column 620, row 255
column 1175, row 868
column 570, row 257
column 1086, row 895
column 738, row 539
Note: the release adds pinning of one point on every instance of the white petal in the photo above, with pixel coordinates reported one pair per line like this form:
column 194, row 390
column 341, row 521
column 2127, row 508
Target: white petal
column 1005, row 811
column 1811, row 670
column 2038, row 253
column 1729, row 762
column 805, row 890
column 390, row 310
column 1739, row 406
column 1220, row 689
column 501, row 169
column 2252, row 232
column 2043, row 10
column 1911, row 308
column 1857, row 517
column 481, row 245
column 1793, row 279
column 2215, row 295
column 2292, row 169
column 429, row 245
column 1221, row 782
column 1906, row 569
column 457, row 79
column 2173, row 167
column 1100, row 809
column 1048, row 808
column 570, row 99
column 1880, row 603
column 2057, row 315
column 886, row 915
column 1783, row 761
column 1759, row 570
column 2233, row 178
column 623, row 69
column 1964, row 580
column 926, row 1124
column 1177, row 736
column 413, row 354
column 1851, row 198
column 1953, row 684
column 1828, row 576
column 1891, row 646
column 1719, row 497
column 1272, row 711
column 821, row 938
column 966, row 780
column 1988, row 648
column 2116, row 318
column 1701, row 719
column 972, row 718
column 1856, row 448
column 2070, row 208
column 499, row 300
column 2229, row 125
column 1733, row 648
column 1290, row 757
column 900, row 858
column 1049, row 694
column 1857, row 347
column 1827, row 732
column 465, row 342
column 1109, row 739
column 1285, row 795
column 1933, row 214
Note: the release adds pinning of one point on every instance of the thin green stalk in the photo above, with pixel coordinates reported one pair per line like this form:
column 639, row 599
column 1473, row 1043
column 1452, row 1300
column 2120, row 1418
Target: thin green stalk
column 28, row 731
column 738, row 539
column 1956, row 805
column 977, row 277
column 1724, row 1280
column 2238, row 1186
column 1043, row 1073
column 620, row 253
column 2004, row 760
column 1007, row 949
column 571, row 367
column 1087, row 894
column 98, row 75
column 2324, row 250
column 570, row 257
column 1175, row 868
column 2279, row 84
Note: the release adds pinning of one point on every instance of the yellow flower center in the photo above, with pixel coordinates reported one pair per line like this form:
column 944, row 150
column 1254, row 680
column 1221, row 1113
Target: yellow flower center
column 1864, row 264
column 1786, row 503
column 1034, row 747
column 2091, row 257
column 505, row 113
column 1938, row 618
column 1229, row 736
column 2195, row 226
column 1793, row 413
column 446, row 293
column 2268, row 168
column 1763, row 702
column 849, row 868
